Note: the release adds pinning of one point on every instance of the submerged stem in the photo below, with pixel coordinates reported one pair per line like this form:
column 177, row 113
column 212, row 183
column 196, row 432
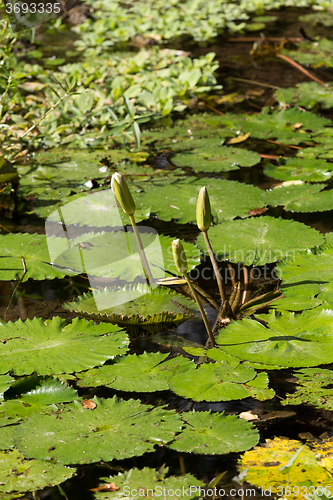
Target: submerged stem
column 141, row 250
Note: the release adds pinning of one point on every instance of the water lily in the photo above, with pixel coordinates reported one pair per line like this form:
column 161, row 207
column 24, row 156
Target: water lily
column 122, row 193
column 204, row 214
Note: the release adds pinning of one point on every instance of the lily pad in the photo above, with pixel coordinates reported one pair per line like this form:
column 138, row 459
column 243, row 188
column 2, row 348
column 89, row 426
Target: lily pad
column 33, row 249
column 313, row 388
column 307, row 280
column 314, row 54
column 264, row 467
column 278, row 125
column 219, row 382
column 209, row 433
column 260, row 240
column 147, row 481
column 295, row 340
column 300, row 198
column 177, row 200
column 5, row 382
column 19, row 474
column 116, row 254
column 216, row 159
column 148, row 372
column 301, row 169
column 114, row 429
column 156, row 309
column 310, row 95
column 70, row 347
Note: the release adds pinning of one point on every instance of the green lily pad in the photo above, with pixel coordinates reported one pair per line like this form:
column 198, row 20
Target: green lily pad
column 116, row 254
column 260, row 240
column 155, row 310
column 209, row 433
column 301, row 169
column 290, row 339
column 313, row 388
column 70, row 347
column 216, row 159
column 114, row 429
column 218, row 382
column 18, row 474
column 177, row 199
column 307, row 281
column 278, row 125
column 310, row 95
column 145, row 481
column 148, row 372
column 5, row 382
column 322, row 17
column 314, row 54
column 300, row 198
column 33, row 249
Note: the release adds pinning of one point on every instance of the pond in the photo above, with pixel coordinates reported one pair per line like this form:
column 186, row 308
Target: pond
column 111, row 384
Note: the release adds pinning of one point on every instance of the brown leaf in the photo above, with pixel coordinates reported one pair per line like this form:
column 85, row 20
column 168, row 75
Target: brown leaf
column 88, row 404
column 106, row 487
column 257, row 211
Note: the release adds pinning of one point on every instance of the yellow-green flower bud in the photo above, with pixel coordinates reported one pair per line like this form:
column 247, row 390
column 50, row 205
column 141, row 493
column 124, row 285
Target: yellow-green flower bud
column 122, row 193
column 179, row 256
column 204, row 214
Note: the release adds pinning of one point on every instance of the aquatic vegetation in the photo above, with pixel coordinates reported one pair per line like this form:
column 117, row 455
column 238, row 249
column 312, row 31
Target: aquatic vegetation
column 100, row 378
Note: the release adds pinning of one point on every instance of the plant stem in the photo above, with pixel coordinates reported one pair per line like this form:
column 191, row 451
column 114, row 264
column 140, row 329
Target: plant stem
column 143, row 257
column 232, row 274
column 215, row 266
column 202, row 311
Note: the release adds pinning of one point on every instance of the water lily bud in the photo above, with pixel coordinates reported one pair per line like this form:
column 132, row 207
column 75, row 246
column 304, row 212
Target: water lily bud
column 179, row 256
column 204, row 214
column 122, row 193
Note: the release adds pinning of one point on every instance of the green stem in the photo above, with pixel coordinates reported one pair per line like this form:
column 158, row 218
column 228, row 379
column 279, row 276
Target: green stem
column 202, row 311
column 141, row 250
column 215, row 266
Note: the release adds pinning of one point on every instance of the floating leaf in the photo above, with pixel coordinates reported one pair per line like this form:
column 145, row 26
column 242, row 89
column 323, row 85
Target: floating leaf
column 70, row 347
column 217, row 159
column 115, row 429
column 260, row 240
column 307, row 280
column 263, row 468
column 295, row 340
column 5, row 382
column 315, row 54
column 293, row 197
column 217, row 382
column 33, row 249
column 146, row 481
column 314, row 387
column 116, row 254
column 310, row 95
column 209, row 433
column 277, row 125
column 19, row 474
column 303, row 169
column 148, row 372
column 177, row 200
column 154, row 310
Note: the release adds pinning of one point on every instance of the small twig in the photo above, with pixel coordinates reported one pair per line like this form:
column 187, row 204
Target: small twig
column 16, row 287
column 213, row 109
column 285, row 145
column 300, row 68
column 254, row 82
